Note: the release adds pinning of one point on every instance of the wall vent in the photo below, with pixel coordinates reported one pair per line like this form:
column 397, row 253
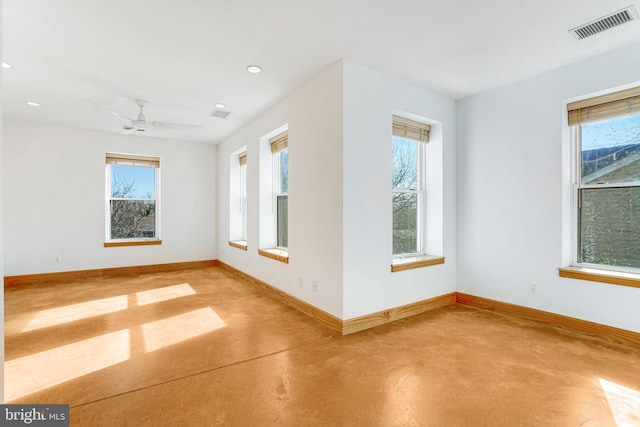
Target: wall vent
column 219, row 114
column 605, row 23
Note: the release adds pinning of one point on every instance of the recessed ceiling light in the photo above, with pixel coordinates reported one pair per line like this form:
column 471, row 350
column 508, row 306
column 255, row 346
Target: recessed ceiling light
column 5, row 65
column 254, row 69
column 33, row 103
column 218, row 105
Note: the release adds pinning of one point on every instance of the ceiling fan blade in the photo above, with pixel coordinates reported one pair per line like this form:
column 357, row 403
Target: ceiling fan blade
column 169, row 126
column 115, row 113
column 136, row 127
column 126, row 130
column 141, row 125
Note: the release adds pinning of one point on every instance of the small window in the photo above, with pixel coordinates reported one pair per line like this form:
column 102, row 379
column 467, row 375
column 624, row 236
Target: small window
column 132, row 199
column 280, row 152
column 408, row 183
column 605, row 134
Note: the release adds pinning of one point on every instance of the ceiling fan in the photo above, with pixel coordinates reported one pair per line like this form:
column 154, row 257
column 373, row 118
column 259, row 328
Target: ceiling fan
column 140, row 124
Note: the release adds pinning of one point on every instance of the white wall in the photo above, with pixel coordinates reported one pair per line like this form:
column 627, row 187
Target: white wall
column 340, row 192
column 54, row 199
column 511, row 183
column 370, row 98
column 313, row 115
column 1, row 228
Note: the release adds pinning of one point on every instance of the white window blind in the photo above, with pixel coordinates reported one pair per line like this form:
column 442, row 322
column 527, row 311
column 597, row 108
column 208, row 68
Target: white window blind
column 604, row 107
column 132, row 160
column 279, row 142
column 242, row 158
column 410, row 129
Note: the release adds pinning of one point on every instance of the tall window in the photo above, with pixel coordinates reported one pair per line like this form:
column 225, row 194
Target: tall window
column 238, row 199
column 280, row 152
column 132, row 198
column 606, row 138
column 242, row 159
column 408, row 183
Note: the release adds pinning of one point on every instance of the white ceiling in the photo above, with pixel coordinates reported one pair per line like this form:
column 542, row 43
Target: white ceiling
column 83, row 58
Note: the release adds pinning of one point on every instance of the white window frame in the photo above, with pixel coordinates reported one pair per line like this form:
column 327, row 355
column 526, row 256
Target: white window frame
column 135, row 161
column 238, row 169
column 421, row 221
column 575, row 137
column 277, row 181
column 428, row 134
column 243, row 200
column 268, row 189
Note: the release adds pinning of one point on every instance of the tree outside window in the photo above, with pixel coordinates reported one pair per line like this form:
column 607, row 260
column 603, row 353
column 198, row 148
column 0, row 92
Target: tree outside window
column 609, row 192
column 132, row 198
column 407, row 196
column 409, row 138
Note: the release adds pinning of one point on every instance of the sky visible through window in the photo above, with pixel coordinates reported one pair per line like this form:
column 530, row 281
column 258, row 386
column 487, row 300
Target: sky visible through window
column 284, row 171
column 611, row 133
column 142, row 177
column 405, row 197
column 405, row 172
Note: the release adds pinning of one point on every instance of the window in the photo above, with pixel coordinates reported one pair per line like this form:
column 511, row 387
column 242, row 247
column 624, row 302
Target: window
column 280, row 152
column 408, row 182
column 273, row 206
column 605, row 134
column 242, row 160
column 132, row 208
column 417, row 194
column 238, row 199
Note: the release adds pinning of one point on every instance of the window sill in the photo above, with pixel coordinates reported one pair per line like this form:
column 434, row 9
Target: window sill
column 277, row 254
column 240, row 244
column 132, row 243
column 409, row 263
column 602, row 276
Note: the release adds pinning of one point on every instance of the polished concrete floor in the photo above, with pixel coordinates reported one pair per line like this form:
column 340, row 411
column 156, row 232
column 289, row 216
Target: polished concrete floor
column 203, row 348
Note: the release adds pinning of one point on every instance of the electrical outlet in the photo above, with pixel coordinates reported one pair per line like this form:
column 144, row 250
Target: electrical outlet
column 533, row 287
column 58, row 257
column 300, row 281
column 315, row 286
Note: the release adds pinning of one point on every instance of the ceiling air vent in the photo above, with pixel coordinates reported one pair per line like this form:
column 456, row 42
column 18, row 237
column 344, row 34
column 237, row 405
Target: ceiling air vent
column 219, row 114
column 604, row 23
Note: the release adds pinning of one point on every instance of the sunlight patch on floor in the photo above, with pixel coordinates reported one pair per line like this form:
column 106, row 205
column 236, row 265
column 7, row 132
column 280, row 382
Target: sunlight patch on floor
column 84, row 310
column 172, row 330
column 164, row 294
column 624, row 403
column 70, row 313
column 39, row 371
column 402, row 389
